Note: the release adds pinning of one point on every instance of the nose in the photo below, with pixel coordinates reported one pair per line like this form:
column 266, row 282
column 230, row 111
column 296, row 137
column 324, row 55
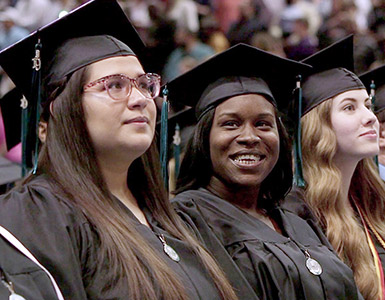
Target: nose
column 248, row 136
column 136, row 100
column 369, row 118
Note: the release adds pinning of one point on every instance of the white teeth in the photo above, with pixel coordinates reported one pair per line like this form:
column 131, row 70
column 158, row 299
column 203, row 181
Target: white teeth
column 247, row 158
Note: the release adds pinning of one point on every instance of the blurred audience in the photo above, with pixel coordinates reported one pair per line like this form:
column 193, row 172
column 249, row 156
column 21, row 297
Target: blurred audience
column 269, row 43
column 189, row 52
column 300, row 9
column 301, row 43
column 160, row 38
column 226, row 12
column 254, row 17
column 11, row 31
column 184, row 13
column 212, row 35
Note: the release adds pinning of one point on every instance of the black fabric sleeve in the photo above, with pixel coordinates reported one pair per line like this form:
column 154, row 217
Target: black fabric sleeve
column 55, row 233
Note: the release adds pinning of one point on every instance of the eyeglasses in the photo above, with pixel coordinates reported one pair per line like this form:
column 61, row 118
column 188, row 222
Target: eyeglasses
column 119, row 86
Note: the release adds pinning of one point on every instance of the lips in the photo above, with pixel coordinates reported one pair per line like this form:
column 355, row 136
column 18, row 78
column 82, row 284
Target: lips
column 140, row 119
column 247, row 159
column 369, row 133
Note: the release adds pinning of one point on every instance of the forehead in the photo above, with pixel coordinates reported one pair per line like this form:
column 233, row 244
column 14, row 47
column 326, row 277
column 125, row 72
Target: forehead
column 250, row 104
column 128, row 65
column 358, row 95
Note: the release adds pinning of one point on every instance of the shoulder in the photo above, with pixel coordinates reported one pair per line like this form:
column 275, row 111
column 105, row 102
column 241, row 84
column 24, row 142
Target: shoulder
column 187, row 201
column 53, row 229
column 37, row 198
column 301, row 217
column 185, row 204
column 37, row 208
column 295, row 202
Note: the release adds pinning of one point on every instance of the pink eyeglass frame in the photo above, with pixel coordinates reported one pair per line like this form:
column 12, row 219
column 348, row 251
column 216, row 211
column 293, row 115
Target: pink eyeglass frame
column 134, row 80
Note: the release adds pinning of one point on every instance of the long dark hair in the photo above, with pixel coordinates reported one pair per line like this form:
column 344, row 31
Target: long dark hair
column 69, row 159
column 196, row 168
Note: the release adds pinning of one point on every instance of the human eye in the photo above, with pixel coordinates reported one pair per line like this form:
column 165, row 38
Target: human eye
column 348, row 107
column 116, row 83
column 149, row 85
column 263, row 123
column 230, row 123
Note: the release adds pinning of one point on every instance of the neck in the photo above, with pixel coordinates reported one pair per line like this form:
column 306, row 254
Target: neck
column 381, row 158
column 245, row 198
column 115, row 176
column 347, row 168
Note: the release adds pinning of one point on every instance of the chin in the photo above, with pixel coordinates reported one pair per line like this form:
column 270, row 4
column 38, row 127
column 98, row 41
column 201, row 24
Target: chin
column 247, row 182
column 370, row 153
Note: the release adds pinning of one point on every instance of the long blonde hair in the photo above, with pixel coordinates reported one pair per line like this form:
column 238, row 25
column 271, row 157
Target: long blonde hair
column 323, row 194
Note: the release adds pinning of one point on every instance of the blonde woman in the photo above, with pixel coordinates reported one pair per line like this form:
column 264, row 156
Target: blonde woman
column 343, row 189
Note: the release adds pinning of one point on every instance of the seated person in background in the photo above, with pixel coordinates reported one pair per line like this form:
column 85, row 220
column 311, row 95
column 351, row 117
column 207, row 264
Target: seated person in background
column 377, row 77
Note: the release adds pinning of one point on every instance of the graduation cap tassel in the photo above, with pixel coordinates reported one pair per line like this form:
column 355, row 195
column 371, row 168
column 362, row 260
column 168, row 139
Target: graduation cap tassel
column 372, row 97
column 164, row 136
column 36, row 82
column 24, row 129
column 298, row 175
column 176, row 144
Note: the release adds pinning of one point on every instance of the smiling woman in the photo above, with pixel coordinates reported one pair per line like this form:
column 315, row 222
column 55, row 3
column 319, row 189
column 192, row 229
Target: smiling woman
column 236, row 170
column 244, row 144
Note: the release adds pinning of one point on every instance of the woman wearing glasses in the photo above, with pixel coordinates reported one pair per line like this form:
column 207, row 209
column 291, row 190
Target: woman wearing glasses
column 95, row 213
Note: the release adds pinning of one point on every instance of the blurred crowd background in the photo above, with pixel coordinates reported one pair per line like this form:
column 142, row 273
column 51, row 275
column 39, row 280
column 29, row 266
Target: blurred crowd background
column 182, row 33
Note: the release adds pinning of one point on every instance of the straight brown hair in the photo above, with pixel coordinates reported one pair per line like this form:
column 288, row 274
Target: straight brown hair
column 68, row 157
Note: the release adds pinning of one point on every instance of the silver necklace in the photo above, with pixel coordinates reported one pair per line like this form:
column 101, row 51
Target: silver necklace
column 168, row 249
column 312, row 265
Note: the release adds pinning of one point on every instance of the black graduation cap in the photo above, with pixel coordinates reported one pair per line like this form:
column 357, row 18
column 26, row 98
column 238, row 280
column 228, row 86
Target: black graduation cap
column 332, row 74
column 376, row 77
column 10, row 105
column 96, row 30
column 241, row 69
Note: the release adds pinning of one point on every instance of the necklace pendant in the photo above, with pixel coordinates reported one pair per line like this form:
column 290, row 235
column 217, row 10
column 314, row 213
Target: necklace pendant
column 312, row 265
column 9, row 286
column 171, row 253
column 16, row 297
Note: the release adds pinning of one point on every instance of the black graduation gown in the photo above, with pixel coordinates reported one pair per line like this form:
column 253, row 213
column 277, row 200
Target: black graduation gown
column 295, row 203
column 28, row 279
column 273, row 264
column 62, row 240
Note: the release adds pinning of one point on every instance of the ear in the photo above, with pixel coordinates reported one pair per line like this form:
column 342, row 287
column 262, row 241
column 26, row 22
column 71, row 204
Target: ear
column 42, row 131
column 51, row 108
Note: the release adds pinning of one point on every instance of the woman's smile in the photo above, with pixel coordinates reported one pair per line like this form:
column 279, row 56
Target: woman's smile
column 244, row 140
column 247, row 160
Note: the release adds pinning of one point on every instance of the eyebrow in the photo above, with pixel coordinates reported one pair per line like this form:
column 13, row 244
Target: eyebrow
column 232, row 114
column 353, row 99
